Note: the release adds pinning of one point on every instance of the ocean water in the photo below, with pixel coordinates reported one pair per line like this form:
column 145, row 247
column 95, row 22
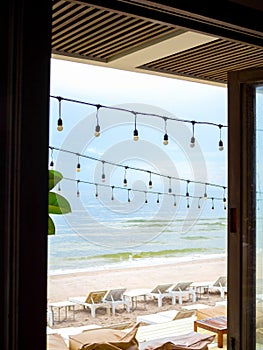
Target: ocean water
column 89, row 242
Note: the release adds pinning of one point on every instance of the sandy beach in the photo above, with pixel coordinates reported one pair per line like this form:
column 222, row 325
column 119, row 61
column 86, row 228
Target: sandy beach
column 64, row 286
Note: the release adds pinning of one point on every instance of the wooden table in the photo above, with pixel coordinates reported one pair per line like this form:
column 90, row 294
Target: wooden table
column 216, row 324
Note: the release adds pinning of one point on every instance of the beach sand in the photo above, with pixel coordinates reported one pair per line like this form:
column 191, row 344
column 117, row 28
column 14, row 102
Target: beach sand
column 64, row 286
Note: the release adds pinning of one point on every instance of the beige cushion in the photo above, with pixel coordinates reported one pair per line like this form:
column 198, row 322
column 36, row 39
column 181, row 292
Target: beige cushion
column 56, row 342
column 220, row 310
column 190, row 341
column 105, row 339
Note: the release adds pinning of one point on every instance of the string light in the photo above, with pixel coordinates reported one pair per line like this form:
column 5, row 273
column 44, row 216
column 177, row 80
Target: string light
column 78, row 166
column 96, row 191
column 150, row 180
column 145, row 197
column 135, row 132
column 205, row 194
column 165, row 137
column 224, row 198
column 97, row 128
column 52, row 159
column 220, row 144
column 136, row 190
column 170, row 185
column 112, row 196
column 158, row 198
column 125, row 179
column 199, row 202
column 60, row 122
column 187, row 201
column 78, row 193
column 192, row 141
column 174, row 200
column 103, row 177
column 213, row 206
column 135, row 113
column 187, row 190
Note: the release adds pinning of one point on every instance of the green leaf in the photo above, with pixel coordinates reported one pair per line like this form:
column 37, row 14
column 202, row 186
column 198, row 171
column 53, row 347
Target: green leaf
column 51, row 226
column 58, row 204
column 54, row 178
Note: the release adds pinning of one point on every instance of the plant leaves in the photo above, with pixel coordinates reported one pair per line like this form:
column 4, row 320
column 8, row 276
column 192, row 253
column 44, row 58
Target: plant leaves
column 51, row 226
column 54, row 178
column 57, row 204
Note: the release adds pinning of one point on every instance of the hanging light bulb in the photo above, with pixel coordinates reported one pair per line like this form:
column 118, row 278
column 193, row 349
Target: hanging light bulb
column 112, row 196
column 78, row 193
column 135, row 132
column 199, row 202
column 145, row 200
column 213, row 206
column 129, row 200
column 52, row 159
column 103, row 177
column 187, row 201
column 78, row 166
column 187, row 190
column 205, row 194
column 220, row 144
column 150, row 180
column 96, row 191
column 170, row 185
column 224, row 198
column 125, row 179
column 158, row 198
column 60, row 122
column 165, row 137
column 192, row 141
column 174, row 201
column 59, row 188
column 97, row 128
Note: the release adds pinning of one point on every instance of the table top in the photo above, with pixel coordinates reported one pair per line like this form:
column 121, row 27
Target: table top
column 62, row 303
column 137, row 292
column 218, row 322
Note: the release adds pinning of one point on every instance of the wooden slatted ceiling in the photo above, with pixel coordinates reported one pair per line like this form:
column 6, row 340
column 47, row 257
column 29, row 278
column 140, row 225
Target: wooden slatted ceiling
column 210, row 61
column 84, row 31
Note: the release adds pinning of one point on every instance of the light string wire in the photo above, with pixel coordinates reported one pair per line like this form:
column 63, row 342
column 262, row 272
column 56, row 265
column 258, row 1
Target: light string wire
column 158, row 193
column 126, row 167
column 136, row 113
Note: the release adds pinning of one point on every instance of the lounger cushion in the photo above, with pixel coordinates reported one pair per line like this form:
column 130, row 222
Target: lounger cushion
column 56, row 342
column 220, row 310
column 104, row 339
column 189, row 341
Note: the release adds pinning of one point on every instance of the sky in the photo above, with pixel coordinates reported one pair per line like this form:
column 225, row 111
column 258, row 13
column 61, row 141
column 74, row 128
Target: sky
column 159, row 96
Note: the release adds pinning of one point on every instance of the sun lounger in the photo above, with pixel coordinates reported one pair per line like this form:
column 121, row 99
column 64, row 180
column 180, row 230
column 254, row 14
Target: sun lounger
column 159, row 292
column 165, row 316
column 93, row 301
column 180, row 290
column 219, row 285
column 115, row 297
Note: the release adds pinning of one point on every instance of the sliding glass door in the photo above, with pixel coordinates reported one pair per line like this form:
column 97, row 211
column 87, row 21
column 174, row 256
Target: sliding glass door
column 245, row 230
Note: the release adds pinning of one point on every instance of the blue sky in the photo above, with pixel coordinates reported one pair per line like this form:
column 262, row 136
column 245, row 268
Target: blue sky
column 141, row 92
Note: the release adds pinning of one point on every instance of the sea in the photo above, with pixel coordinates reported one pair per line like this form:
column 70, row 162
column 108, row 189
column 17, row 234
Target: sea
column 92, row 239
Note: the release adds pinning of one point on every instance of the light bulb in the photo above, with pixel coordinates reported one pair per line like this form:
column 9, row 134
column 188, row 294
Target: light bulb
column 78, row 167
column 103, row 177
column 220, row 145
column 150, row 184
column 170, row 190
column 97, row 131
column 60, row 124
column 135, row 135
column 165, row 139
column 125, row 182
column 192, row 142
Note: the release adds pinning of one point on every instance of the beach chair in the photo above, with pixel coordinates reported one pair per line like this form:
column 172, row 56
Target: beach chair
column 219, row 285
column 165, row 316
column 93, row 301
column 180, row 290
column 159, row 292
column 115, row 297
